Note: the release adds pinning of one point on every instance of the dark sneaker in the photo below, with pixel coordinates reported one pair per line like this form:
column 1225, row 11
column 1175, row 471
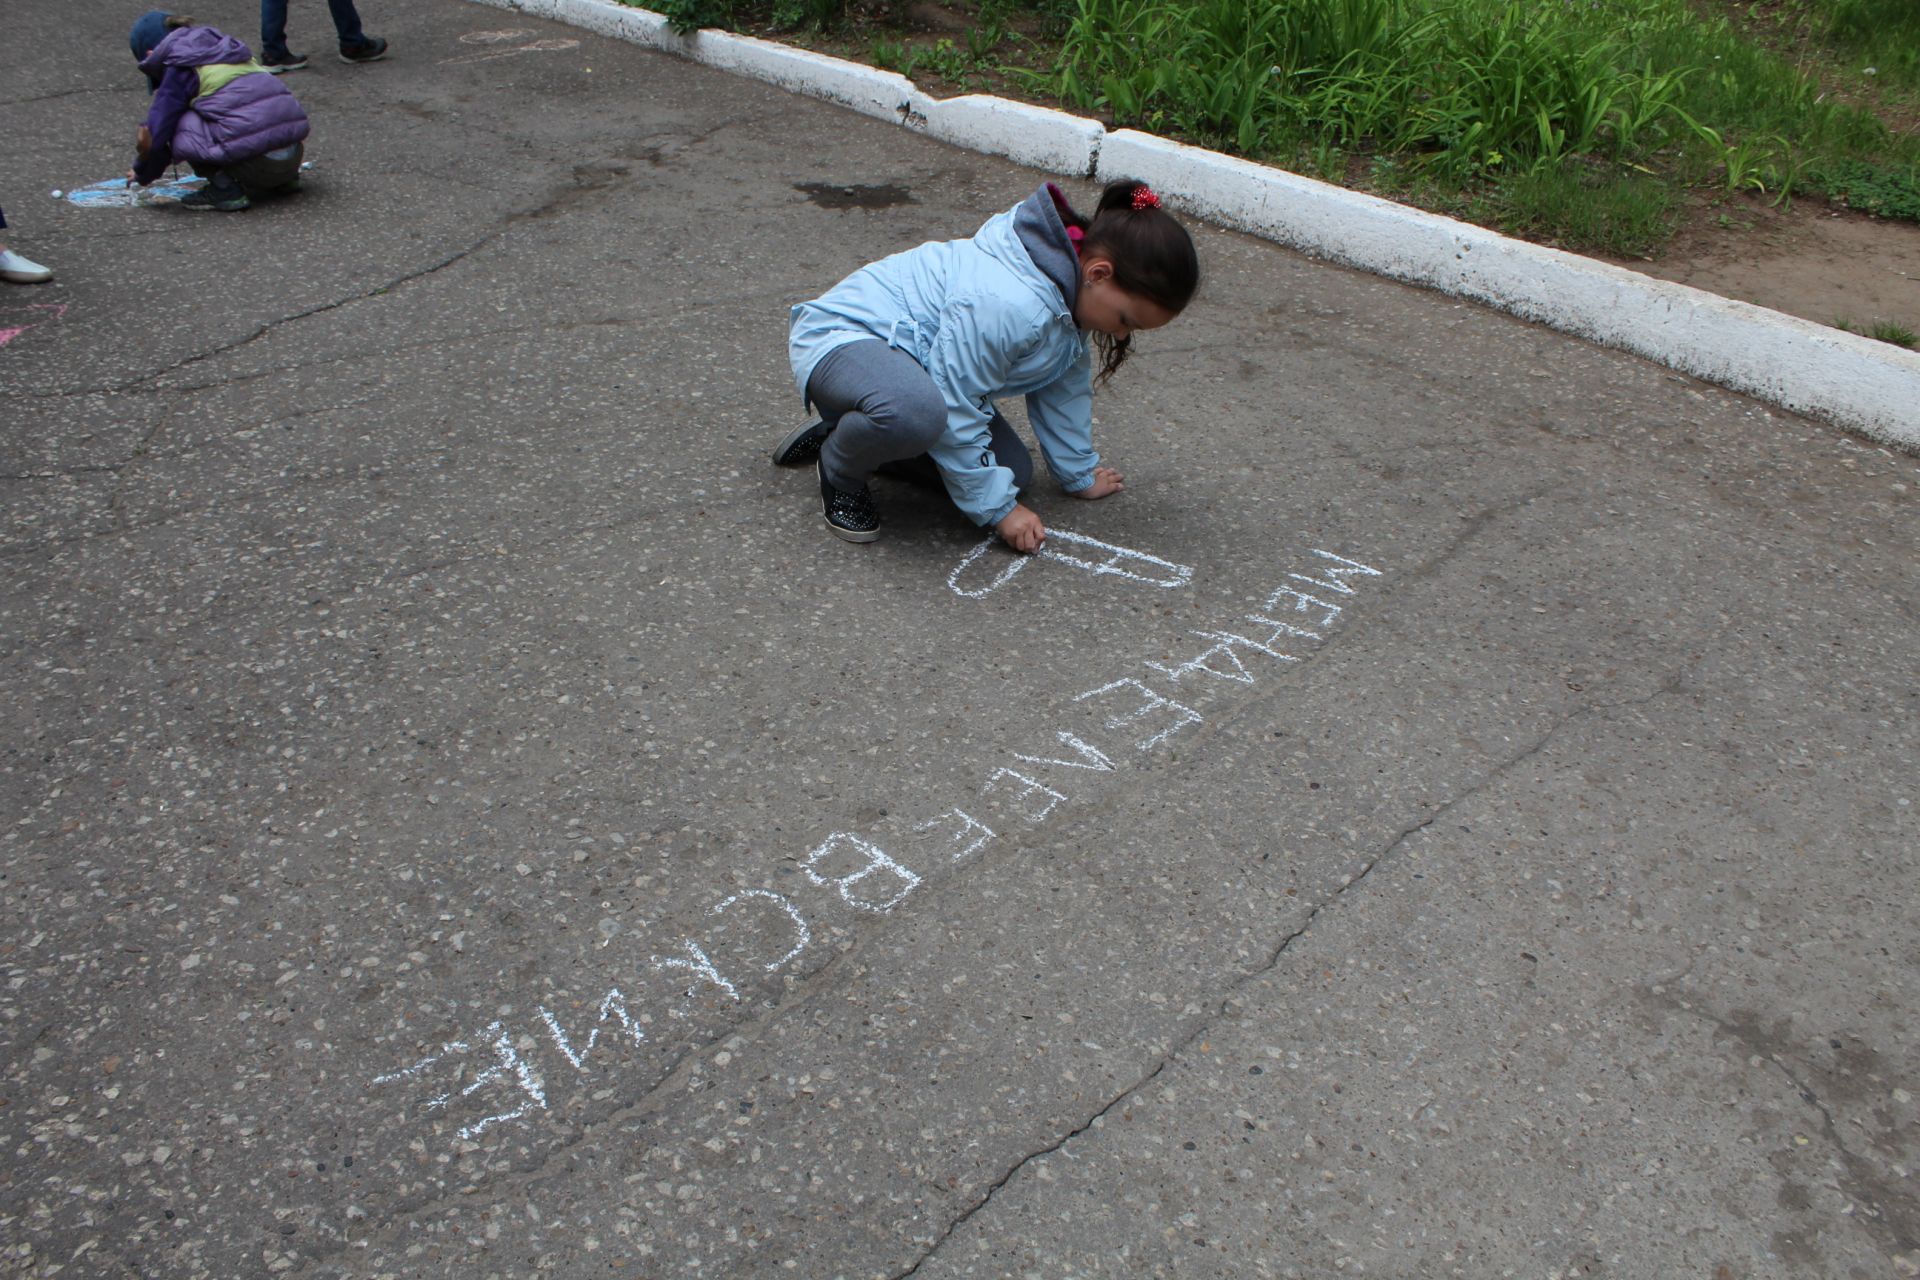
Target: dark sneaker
column 288, row 62
column 372, row 51
column 801, row 445
column 849, row 512
column 208, row 198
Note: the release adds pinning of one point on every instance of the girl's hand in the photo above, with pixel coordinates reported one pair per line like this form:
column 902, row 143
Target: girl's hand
column 1021, row 530
column 1105, row 481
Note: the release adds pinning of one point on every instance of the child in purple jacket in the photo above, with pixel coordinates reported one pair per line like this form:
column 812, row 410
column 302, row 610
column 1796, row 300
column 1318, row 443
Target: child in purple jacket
column 217, row 109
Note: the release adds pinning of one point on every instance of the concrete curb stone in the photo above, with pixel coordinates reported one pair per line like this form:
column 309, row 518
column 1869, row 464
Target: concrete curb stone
column 1855, row 382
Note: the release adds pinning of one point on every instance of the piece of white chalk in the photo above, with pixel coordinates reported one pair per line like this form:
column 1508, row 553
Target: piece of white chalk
column 57, row 193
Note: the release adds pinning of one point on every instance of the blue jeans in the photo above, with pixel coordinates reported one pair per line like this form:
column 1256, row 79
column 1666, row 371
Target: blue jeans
column 273, row 26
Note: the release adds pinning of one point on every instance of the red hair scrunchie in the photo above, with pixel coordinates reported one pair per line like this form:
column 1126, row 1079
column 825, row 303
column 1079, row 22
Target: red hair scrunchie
column 1144, row 198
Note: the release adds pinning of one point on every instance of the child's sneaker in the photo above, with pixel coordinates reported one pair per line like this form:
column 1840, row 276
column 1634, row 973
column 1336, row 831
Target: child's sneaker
column 217, row 199
column 801, row 445
column 17, row 269
column 290, row 61
column 372, row 51
column 849, row 512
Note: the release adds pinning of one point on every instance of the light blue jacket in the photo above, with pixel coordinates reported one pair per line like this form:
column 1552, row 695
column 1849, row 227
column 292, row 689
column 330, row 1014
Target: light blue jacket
column 987, row 317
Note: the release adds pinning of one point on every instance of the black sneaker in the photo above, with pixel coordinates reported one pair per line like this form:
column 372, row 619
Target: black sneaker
column 849, row 512
column 801, row 445
column 216, row 200
column 372, row 51
column 289, row 62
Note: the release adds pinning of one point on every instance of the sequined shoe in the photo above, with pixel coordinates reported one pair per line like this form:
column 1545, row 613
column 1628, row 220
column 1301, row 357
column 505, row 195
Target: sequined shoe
column 849, row 512
column 801, row 445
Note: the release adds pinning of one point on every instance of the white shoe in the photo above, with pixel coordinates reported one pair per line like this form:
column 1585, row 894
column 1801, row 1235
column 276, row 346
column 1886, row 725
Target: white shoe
column 19, row 270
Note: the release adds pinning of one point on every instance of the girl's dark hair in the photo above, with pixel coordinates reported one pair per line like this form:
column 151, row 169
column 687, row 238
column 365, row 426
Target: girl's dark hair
column 1152, row 256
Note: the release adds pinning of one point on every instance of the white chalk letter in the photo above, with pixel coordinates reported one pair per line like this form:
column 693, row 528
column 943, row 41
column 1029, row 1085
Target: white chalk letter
column 1341, row 568
column 1028, row 787
column 613, row 1006
column 697, row 964
column 508, row 1066
column 1015, row 565
column 1150, row 702
column 968, row 826
column 1346, row 568
column 869, row 861
column 1301, row 604
column 1090, row 757
column 793, row 914
column 1222, row 648
column 1140, row 567
column 1116, row 562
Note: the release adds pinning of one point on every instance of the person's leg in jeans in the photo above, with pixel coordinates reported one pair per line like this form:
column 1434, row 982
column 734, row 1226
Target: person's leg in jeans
column 273, row 30
column 346, row 22
column 882, row 406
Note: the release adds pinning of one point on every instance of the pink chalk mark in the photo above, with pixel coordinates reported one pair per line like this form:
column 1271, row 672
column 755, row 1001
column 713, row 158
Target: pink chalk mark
column 59, row 310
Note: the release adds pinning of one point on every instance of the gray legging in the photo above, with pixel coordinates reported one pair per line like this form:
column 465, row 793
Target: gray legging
column 885, row 409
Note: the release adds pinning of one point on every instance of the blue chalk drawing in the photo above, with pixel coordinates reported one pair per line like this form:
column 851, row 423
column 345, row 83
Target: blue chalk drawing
column 114, row 193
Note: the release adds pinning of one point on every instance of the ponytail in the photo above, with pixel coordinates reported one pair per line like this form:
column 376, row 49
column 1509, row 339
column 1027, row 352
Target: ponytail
column 1152, row 255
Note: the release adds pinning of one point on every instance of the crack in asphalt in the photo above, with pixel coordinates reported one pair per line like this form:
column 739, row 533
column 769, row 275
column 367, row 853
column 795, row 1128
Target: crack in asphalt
column 1671, row 685
column 1028, row 1159
column 557, row 203
column 262, row 330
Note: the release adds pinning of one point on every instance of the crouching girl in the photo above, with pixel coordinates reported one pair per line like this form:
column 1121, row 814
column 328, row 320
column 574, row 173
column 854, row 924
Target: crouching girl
column 217, row 109
column 904, row 359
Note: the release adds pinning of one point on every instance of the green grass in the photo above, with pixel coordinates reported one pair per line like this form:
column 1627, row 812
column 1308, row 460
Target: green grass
column 1563, row 120
column 1884, row 330
column 1581, row 122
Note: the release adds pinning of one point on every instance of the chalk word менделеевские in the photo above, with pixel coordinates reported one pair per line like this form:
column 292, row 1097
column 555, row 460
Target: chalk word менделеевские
column 865, row 877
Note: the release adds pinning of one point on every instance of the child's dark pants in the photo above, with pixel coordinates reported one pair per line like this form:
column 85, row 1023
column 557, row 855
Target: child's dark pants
column 886, row 410
column 274, row 173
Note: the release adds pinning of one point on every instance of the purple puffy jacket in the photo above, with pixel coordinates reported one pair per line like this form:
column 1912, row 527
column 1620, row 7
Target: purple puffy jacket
column 248, row 115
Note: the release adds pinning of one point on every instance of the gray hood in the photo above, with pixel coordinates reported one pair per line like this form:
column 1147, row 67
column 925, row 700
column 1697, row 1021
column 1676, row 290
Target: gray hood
column 1043, row 234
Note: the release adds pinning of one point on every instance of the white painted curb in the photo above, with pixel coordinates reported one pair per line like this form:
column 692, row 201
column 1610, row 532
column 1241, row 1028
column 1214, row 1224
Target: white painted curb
column 1867, row 386
column 1871, row 386
column 1038, row 137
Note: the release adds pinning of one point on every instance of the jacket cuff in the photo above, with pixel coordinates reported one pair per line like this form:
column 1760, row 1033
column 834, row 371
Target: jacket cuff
column 1000, row 513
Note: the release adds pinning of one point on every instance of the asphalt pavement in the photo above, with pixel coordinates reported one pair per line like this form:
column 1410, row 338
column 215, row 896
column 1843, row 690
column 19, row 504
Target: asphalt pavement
column 464, row 816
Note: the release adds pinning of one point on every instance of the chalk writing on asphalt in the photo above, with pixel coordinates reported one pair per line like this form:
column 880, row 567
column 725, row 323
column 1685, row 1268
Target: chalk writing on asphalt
column 496, row 1076
column 1101, row 558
